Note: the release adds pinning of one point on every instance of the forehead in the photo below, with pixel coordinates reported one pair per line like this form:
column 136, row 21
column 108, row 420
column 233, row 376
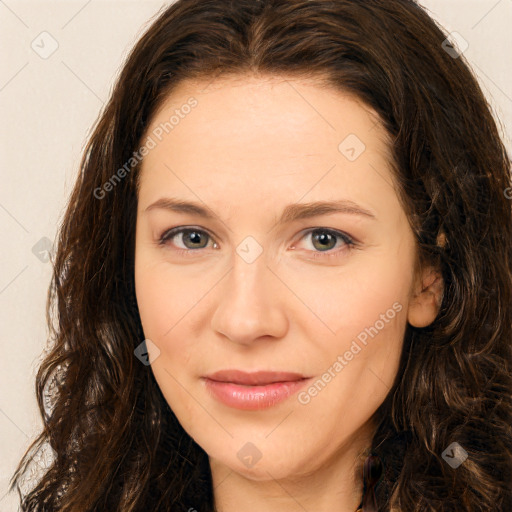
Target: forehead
column 268, row 105
column 271, row 135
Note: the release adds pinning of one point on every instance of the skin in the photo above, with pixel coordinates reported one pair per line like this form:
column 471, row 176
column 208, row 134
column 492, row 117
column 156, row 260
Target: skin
column 251, row 146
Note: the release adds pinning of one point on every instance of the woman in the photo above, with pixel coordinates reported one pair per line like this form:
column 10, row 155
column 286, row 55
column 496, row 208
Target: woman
column 263, row 369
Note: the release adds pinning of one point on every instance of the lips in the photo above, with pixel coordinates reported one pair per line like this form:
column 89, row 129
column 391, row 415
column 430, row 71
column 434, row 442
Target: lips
column 261, row 378
column 253, row 391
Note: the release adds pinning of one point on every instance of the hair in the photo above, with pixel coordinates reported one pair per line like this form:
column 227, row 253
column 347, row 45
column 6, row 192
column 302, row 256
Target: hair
column 117, row 445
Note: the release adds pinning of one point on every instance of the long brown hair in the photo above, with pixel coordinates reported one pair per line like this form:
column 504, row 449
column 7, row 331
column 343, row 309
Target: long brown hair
column 117, row 446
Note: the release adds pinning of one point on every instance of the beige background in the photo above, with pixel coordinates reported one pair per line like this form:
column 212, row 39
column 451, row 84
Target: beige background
column 47, row 107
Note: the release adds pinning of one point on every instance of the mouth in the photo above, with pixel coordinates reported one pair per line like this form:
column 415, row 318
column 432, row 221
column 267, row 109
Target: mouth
column 253, row 391
column 260, row 378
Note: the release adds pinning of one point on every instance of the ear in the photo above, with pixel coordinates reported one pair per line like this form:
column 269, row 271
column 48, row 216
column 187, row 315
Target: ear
column 426, row 298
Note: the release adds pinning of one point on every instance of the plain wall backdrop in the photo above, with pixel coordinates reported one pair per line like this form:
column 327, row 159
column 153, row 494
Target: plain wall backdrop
column 59, row 62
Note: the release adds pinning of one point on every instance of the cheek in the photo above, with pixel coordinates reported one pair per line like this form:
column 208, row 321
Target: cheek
column 169, row 300
column 160, row 305
column 163, row 301
column 164, row 295
column 358, row 366
column 155, row 306
column 338, row 305
column 365, row 310
column 376, row 300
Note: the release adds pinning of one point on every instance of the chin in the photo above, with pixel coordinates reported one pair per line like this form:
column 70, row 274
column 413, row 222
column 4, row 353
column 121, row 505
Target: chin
column 259, row 464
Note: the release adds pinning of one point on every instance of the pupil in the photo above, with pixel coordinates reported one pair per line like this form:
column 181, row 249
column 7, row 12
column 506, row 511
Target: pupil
column 324, row 238
column 195, row 237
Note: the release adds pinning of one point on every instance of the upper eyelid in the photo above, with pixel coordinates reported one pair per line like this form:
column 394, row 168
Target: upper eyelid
column 171, row 233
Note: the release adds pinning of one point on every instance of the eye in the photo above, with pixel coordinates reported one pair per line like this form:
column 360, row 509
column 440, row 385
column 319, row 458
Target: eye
column 324, row 240
column 189, row 240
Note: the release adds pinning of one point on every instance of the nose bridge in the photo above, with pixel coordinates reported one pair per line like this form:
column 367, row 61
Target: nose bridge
column 248, row 306
column 248, row 279
column 249, row 275
column 249, row 284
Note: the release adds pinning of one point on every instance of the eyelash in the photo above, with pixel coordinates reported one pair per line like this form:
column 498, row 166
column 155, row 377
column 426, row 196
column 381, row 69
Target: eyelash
column 349, row 243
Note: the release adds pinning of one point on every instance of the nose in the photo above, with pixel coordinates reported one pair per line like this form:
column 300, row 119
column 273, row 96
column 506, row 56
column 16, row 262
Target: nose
column 251, row 303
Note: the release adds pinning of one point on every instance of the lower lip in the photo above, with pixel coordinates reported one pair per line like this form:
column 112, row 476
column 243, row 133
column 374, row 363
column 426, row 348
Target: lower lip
column 253, row 398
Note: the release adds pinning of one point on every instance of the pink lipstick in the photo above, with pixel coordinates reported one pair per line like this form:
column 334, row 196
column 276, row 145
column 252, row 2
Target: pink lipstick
column 253, row 391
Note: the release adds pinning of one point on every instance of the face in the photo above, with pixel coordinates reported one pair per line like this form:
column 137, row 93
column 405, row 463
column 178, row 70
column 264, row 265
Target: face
column 257, row 275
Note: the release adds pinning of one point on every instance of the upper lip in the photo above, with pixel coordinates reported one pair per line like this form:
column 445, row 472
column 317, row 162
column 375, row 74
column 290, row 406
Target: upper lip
column 255, row 378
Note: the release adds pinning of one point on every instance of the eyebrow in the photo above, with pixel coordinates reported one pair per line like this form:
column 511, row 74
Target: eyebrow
column 291, row 212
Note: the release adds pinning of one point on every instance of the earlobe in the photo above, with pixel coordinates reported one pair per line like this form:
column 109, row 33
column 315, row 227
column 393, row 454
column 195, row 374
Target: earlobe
column 426, row 298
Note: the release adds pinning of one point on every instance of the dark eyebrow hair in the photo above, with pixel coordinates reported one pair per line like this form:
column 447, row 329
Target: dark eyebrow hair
column 290, row 213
